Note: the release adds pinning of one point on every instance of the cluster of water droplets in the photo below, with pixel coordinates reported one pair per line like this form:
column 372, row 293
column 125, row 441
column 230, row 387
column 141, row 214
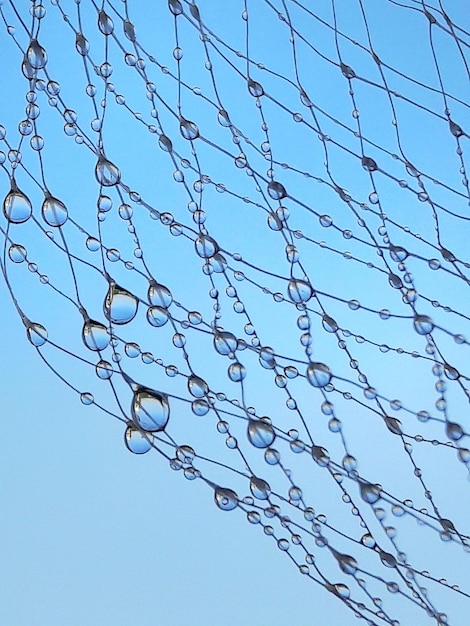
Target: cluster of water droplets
column 195, row 236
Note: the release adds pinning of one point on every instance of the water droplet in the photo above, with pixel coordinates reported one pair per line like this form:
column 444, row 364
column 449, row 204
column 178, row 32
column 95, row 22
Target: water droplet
column 454, row 431
column 206, row 247
column 157, row 316
column 95, row 335
column 260, row 434
column 393, row 425
column 150, row 410
column 81, row 44
column 120, row 306
column 36, row 333
column 423, row 324
column 136, row 441
column 54, row 211
column 36, row 55
column 197, row 386
column 369, row 493
column 259, row 488
column 188, row 129
column 105, row 23
column 159, row 295
column 17, row 253
column 299, row 291
column 223, row 118
column 347, row 71
column 329, row 324
column 225, row 499
column 369, row 164
column 387, row 559
column 276, row 190
column 236, row 372
column 347, row 563
column 318, row 374
column 104, row 369
column 320, row 455
column 255, row 88
column 107, row 174
column 225, row 342
column 175, row 7
column 17, row 207
column 129, row 30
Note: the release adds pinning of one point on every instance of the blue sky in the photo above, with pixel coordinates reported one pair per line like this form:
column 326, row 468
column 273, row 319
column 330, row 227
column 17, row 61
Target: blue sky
column 98, row 535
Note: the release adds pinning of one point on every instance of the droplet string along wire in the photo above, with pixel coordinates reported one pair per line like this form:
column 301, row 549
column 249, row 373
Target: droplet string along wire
column 256, row 229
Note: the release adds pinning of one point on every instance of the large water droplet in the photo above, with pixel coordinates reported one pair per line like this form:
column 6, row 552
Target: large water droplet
column 95, row 335
column 54, row 211
column 150, row 410
column 36, row 333
column 225, row 499
column 81, row 44
column 423, row 324
column 318, row 374
column 260, row 434
column 347, row 563
column 120, row 306
column 107, row 174
column 175, row 7
column 299, row 291
column 188, row 129
column 157, row 316
column 197, row 386
column 206, row 247
column 369, row 493
column 36, row 55
column 105, row 23
column 159, row 295
column 320, row 455
column 225, row 342
column 276, row 190
column 137, row 441
column 259, row 488
column 454, row 431
column 255, row 88
column 17, row 207
column 129, row 30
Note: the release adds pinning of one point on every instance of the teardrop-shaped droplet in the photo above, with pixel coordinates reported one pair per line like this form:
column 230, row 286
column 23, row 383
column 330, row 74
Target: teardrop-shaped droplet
column 54, row 211
column 159, row 295
column 398, row 254
column 157, row 316
column 188, row 129
column 95, row 335
column 347, row 71
column 423, row 324
column 206, row 247
column 395, row 281
column 150, row 410
column 36, row 55
column 454, row 431
column 137, row 441
column 104, row 369
column 369, row 493
column 37, row 334
column 387, row 559
column 320, row 455
column 81, row 44
column 369, row 164
column 393, row 425
column 339, row 589
column 236, row 372
column 260, row 434
column 347, row 563
column 105, row 23
column 197, row 387
column 276, row 190
column 107, row 174
column 225, row 342
column 255, row 88
column 259, row 488
column 129, row 30
column 17, row 207
column 318, row 374
column 120, row 306
column 165, row 143
column 329, row 324
column 225, row 499
column 17, row 253
column 175, row 7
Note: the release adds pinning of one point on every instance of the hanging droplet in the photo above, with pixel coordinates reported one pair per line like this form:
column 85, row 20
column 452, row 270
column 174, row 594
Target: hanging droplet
column 320, row 455
column 223, row 118
column 137, row 441
column 299, row 291
column 36, row 333
column 423, row 324
column 387, row 559
column 318, row 374
column 36, row 55
column 107, row 174
column 188, row 129
column 17, row 253
column 339, row 589
column 104, row 369
column 17, row 207
column 129, row 30
column 393, row 425
column 197, row 387
column 120, row 306
column 347, row 563
column 175, row 7
column 150, row 410
column 260, row 434
column 81, row 44
column 255, row 88
column 276, row 190
column 370, row 493
column 206, row 247
column 95, row 335
column 159, row 295
column 105, row 23
column 157, row 316
column 329, row 324
column 347, row 71
column 236, row 372
column 54, row 211
column 398, row 254
column 225, row 499
column 454, row 431
column 369, row 164
column 225, row 342
column 259, row 488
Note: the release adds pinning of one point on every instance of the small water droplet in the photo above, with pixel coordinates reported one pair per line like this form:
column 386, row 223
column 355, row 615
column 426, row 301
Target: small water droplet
column 150, row 410
column 17, row 253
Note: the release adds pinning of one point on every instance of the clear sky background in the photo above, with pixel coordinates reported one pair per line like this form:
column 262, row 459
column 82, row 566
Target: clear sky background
column 96, row 535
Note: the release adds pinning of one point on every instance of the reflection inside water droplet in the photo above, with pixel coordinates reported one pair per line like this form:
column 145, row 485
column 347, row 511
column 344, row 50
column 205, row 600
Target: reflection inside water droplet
column 150, row 410
column 136, row 441
column 120, row 306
